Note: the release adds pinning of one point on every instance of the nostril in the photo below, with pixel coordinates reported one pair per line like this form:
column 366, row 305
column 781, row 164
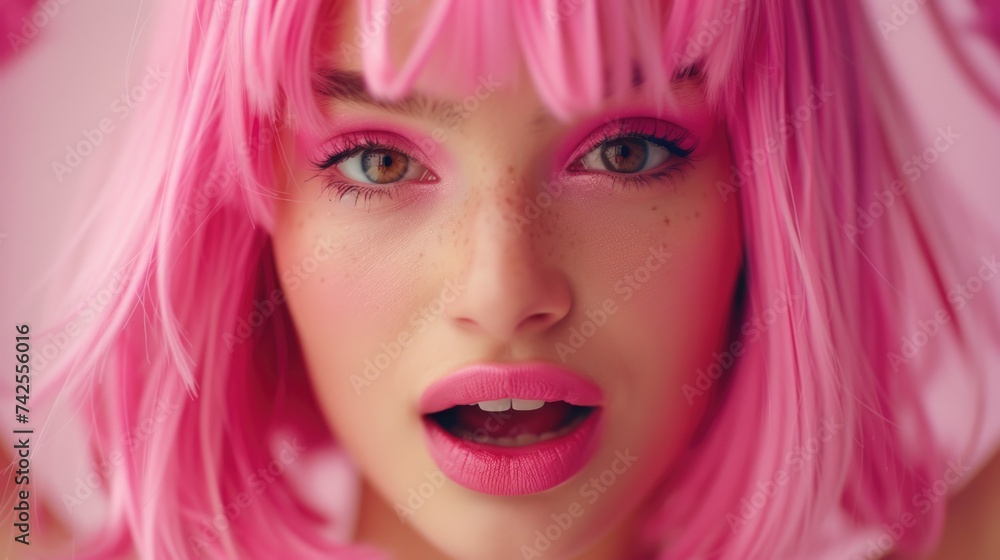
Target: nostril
column 500, row 304
column 534, row 321
column 537, row 319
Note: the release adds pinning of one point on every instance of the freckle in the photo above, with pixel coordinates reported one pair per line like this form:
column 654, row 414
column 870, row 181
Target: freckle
column 510, row 169
column 697, row 214
column 653, row 209
column 322, row 280
column 666, row 220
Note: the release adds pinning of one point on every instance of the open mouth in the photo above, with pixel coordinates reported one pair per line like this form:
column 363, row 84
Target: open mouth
column 512, row 422
column 512, row 429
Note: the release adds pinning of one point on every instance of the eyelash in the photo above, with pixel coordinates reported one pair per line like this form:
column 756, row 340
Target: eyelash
column 678, row 141
column 350, row 146
column 658, row 133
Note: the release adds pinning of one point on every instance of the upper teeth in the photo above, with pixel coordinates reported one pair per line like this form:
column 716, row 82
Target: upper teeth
column 500, row 405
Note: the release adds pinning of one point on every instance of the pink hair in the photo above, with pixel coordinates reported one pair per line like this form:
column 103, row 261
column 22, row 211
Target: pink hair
column 186, row 214
column 15, row 18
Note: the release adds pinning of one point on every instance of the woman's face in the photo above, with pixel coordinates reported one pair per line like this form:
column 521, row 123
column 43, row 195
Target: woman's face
column 589, row 265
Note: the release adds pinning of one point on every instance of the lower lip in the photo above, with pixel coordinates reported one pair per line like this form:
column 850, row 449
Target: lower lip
column 513, row 471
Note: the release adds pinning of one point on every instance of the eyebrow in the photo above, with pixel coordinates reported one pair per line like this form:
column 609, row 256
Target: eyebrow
column 349, row 87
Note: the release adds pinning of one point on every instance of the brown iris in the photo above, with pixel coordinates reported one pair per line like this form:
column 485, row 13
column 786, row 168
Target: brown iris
column 384, row 166
column 624, row 155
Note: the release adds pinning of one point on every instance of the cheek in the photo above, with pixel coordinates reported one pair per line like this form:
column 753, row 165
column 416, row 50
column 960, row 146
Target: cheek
column 343, row 292
column 696, row 302
column 667, row 268
column 687, row 303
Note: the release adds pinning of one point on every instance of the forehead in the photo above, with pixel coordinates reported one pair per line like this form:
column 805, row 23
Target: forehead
column 446, row 50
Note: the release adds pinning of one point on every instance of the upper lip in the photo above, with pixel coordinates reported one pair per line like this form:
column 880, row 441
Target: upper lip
column 486, row 382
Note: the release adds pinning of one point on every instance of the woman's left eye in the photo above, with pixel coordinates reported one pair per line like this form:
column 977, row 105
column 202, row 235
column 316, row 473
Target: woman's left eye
column 380, row 166
column 626, row 155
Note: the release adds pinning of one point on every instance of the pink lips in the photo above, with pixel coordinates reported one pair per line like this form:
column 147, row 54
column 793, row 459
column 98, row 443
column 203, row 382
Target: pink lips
column 510, row 471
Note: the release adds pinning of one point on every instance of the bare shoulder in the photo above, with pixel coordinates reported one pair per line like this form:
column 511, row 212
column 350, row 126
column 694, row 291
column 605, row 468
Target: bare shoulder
column 972, row 528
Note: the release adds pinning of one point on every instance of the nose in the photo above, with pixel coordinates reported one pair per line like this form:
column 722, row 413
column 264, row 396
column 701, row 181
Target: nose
column 512, row 286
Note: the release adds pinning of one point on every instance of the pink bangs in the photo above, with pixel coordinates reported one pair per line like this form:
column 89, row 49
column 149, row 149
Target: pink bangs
column 576, row 52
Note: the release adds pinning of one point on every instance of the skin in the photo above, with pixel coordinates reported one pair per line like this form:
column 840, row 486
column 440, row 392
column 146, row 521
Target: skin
column 523, row 284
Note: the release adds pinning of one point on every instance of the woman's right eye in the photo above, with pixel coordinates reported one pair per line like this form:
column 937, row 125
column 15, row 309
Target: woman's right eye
column 627, row 155
column 380, row 166
column 369, row 166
